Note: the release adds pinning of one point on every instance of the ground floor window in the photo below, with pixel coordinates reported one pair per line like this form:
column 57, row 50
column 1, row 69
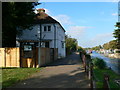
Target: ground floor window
column 47, row 44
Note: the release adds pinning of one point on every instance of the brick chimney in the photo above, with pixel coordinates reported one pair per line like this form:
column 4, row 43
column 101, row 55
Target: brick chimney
column 41, row 10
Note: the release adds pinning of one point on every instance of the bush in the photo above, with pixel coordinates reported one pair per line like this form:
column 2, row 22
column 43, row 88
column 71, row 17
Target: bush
column 99, row 63
column 117, row 51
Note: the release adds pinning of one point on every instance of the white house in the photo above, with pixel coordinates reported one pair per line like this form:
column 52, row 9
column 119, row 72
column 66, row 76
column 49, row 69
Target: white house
column 46, row 32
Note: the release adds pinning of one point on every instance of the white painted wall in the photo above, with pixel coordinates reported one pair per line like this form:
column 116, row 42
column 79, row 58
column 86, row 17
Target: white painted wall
column 34, row 34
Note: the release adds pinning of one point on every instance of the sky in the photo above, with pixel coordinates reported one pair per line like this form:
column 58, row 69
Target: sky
column 91, row 23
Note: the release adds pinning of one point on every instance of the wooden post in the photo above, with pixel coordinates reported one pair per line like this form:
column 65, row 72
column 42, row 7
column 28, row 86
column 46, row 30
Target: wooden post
column 91, row 75
column 106, row 82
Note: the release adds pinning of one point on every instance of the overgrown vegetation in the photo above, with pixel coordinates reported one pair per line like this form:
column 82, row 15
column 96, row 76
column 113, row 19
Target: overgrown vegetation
column 11, row 76
column 99, row 73
column 71, row 44
column 99, row 63
column 99, row 70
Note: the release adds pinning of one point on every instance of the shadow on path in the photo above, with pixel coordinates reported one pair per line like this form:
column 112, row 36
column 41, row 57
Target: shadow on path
column 69, row 60
column 64, row 73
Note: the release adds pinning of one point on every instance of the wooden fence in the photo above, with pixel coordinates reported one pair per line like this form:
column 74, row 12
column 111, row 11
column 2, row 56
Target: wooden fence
column 88, row 66
column 9, row 57
column 16, row 57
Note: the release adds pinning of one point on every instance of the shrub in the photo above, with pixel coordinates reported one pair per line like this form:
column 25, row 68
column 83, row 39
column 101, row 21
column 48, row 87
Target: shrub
column 99, row 63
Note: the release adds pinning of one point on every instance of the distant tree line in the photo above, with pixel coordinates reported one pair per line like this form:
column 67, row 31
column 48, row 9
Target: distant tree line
column 110, row 45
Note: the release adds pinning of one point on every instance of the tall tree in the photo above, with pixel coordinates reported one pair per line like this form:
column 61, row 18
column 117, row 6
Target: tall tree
column 117, row 34
column 16, row 15
column 71, row 44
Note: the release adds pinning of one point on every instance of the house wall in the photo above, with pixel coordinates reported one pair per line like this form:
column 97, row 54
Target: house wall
column 60, row 38
column 56, row 41
column 34, row 34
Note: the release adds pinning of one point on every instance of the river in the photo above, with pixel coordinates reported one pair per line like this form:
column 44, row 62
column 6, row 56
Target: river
column 111, row 62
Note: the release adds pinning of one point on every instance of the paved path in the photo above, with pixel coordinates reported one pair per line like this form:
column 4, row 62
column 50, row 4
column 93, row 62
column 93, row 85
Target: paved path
column 64, row 73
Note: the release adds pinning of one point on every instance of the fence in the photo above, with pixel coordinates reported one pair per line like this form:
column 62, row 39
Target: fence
column 88, row 65
column 9, row 57
column 17, row 57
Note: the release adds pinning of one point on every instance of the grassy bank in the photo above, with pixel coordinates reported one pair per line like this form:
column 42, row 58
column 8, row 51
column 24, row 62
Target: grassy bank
column 99, row 73
column 13, row 75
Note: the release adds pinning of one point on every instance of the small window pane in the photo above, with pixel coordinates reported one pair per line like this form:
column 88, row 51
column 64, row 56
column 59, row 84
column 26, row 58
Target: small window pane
column 49, row 28
column 45, row 28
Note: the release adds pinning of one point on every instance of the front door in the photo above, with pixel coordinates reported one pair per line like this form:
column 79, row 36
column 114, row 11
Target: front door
column 47, row 44
column 28, row 55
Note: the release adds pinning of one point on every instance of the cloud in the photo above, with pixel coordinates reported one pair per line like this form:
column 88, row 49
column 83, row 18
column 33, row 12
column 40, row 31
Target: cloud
column 100, row 39
column 77, row 31
column 114, row 14
column 63, row 19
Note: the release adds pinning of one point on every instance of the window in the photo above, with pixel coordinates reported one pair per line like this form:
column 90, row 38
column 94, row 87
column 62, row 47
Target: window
column 49, row 28
column 62, row 44
column 47, row 44
column 27, row 48
column 45, row 28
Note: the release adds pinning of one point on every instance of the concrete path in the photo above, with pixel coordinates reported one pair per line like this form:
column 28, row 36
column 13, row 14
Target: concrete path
column 64, row 73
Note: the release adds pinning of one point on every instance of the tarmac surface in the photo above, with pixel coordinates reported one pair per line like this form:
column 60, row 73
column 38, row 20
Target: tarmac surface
column 64, row 73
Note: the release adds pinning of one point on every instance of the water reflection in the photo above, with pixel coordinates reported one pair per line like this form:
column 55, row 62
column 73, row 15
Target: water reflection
column 113, row 63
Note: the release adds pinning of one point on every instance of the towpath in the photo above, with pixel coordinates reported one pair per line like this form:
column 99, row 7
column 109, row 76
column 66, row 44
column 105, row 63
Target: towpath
column 64, row 73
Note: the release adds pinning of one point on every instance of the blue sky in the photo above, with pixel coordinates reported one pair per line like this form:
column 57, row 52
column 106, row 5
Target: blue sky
column 91, row 23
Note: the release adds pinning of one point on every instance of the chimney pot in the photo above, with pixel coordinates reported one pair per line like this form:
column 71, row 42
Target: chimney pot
column 41, row 10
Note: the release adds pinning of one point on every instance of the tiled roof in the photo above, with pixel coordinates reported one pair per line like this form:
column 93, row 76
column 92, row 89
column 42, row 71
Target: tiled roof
column 43, row 18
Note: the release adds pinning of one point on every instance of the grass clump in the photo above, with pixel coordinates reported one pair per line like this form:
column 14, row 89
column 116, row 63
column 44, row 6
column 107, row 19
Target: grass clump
column 99, row 70
column 99, row 73
column 13, row 75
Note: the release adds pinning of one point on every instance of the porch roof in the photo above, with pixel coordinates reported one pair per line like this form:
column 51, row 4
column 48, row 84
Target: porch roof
column 43, row 40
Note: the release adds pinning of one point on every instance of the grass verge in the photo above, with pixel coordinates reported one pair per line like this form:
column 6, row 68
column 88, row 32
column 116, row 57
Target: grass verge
column 11, row 76
column 99, row 73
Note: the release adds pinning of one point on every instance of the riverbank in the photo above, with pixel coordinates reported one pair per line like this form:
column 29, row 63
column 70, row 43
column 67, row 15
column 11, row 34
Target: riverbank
column 116, row 55
column 99, row 78
column 100, row 69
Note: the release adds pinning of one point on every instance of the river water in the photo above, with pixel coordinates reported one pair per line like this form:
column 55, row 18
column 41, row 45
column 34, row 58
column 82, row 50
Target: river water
column 113, row 63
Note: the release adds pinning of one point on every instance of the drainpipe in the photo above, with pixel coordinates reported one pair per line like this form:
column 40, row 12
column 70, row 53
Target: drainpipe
column 54, row 39
column 39, row 51
column 54, row 36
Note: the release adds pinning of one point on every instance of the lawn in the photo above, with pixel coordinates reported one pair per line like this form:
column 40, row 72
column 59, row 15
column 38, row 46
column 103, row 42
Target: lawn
column 11, row 76
column 99, row 73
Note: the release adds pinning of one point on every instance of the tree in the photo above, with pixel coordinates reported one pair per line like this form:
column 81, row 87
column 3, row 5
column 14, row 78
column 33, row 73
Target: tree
column 97, row 47
column 110, row 45
column 117, row 34
column 106, row 46
column 113, row 44
column 71, row 44
column 16, row 15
